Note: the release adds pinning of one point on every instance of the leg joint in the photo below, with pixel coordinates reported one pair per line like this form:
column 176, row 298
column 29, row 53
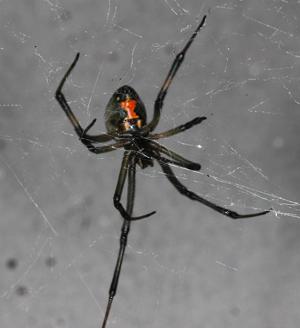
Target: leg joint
column 180, row 57
column 116, row 201
column 58, row 95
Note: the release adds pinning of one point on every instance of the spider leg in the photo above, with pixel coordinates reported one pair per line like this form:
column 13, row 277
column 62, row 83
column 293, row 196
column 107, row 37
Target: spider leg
column 184, row 191
column 123, row 240
column 103, row 149
column 94, row 138
column 169, row 161
column 176, row 159
column 114, row 283
column 172, row 72
column 71, row 116
column 125, row 166
column 178, row 129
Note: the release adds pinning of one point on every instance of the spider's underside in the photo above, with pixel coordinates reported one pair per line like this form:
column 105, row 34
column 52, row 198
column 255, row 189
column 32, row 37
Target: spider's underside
column 126, row 124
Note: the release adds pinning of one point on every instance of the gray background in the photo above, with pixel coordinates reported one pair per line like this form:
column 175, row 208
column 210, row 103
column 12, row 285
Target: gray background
column 187, row 266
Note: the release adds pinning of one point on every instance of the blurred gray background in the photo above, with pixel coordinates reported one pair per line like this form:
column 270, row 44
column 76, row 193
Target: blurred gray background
column 187, row 266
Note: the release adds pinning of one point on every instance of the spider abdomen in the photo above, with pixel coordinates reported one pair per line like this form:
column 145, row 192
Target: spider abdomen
column 125, row 111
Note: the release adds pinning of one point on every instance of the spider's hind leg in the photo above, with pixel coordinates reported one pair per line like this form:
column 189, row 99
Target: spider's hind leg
column 178, row 129
column 159, row 102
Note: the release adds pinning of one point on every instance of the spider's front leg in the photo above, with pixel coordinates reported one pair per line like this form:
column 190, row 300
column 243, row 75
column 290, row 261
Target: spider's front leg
column 125, row 166
column 123, row 240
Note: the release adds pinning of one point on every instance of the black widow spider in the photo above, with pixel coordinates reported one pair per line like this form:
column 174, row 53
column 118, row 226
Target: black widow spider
column 125, row 119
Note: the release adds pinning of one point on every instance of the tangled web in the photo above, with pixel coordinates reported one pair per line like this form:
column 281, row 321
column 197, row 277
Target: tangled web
column 187, row 266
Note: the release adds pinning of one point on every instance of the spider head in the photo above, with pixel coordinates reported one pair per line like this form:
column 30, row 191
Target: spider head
column 125, row 111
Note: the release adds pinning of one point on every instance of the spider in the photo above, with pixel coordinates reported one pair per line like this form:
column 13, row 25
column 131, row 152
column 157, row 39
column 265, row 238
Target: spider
column 126, row 124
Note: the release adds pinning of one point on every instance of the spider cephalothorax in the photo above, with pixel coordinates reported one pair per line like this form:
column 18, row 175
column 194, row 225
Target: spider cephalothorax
column 125, row 119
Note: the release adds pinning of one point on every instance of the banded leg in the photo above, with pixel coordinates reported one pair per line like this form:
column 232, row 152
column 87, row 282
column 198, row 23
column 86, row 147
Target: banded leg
column 184, row 191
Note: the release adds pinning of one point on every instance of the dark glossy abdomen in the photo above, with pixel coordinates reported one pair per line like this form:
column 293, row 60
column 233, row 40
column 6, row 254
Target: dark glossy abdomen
column 118, row 117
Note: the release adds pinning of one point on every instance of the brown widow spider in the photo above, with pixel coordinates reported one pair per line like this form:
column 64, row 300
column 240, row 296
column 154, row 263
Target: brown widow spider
column 126, row 124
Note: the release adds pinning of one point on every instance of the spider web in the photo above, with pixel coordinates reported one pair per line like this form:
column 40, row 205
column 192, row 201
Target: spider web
column 187, row 266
